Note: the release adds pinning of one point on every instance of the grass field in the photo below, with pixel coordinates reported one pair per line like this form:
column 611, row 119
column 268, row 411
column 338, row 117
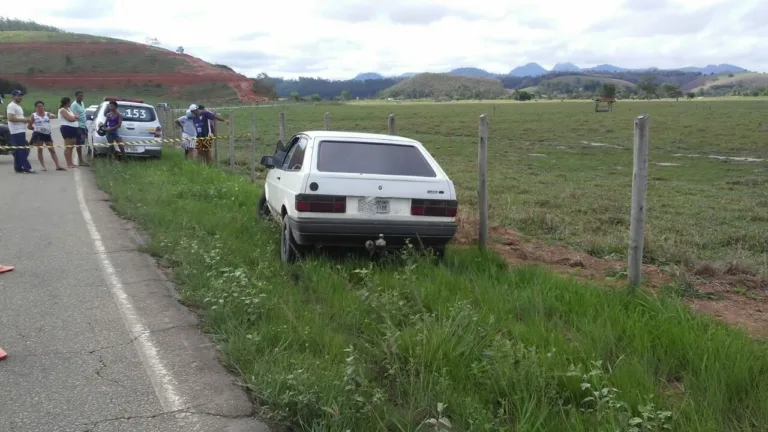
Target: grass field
column 555, row 173
column 332, row 345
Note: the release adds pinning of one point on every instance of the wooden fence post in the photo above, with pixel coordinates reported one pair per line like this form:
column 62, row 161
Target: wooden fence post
column 482, row 178
column 392, row 125
column 282, row 127
column 232, row 141
column 639, row 189
column 215, row 143
column 327, row 121
column 253, row 147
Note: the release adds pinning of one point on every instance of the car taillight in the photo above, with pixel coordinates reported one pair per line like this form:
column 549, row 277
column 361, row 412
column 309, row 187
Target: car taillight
column 321, row 203
column 158, row 132
column 440, row 208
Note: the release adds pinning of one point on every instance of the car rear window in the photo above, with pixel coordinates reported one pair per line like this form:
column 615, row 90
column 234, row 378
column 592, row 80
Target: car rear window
column 137, row 113
column 372, row 158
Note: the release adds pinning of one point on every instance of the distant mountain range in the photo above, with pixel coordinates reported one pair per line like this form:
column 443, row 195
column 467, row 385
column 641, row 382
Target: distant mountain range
column 535, row 69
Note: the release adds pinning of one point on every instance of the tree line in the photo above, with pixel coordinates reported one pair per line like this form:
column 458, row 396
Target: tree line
column 13, row 24
column 7, row 86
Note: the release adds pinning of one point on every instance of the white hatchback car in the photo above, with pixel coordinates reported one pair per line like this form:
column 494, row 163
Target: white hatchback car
column 140, row 123
column 345, row 189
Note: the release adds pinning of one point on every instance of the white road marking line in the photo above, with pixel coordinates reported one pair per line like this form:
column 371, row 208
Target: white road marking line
column 162, row 380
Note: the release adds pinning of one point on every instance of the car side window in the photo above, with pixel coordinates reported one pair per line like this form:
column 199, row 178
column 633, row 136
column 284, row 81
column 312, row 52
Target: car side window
column 283, row 156
column 295, row 157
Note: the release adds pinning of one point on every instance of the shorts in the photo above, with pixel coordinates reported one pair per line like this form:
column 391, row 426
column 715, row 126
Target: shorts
column 41, row 138
column 69, row 132
column 81, row 136
column 187, row 141
column 203, row 143
column 112, row 136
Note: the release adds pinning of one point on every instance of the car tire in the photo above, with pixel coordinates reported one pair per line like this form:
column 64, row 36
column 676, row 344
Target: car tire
column 262, row 207
column 289, row 249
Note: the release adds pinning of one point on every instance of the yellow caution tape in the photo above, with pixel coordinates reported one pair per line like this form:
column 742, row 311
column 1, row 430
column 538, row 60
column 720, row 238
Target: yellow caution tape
column 127, row 143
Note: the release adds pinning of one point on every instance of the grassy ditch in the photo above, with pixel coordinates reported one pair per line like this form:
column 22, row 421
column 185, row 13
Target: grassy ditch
column 338, row 345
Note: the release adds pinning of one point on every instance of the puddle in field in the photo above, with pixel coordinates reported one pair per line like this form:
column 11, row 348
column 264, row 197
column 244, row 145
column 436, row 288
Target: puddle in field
column 537, row 155
column 595, row 144
column 667, row 164
column 733, row 158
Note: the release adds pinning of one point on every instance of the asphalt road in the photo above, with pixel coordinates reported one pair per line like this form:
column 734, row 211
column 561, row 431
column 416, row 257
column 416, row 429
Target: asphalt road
column 96, row 339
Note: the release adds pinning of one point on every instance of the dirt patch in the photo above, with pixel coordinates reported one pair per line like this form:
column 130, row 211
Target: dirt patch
column 731, row 291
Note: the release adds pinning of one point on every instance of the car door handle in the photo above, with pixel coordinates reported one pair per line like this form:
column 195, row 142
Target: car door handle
column 278, row 178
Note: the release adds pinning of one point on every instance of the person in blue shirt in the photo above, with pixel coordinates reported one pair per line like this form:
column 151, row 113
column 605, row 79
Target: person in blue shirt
column 78, row 107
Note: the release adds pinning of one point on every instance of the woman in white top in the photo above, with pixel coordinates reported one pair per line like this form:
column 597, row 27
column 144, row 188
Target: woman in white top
column 40, row 124
column 69, row 129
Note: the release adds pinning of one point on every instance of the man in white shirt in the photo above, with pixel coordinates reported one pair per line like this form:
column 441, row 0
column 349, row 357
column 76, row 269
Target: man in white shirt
column 17, row 126
column 188, row 130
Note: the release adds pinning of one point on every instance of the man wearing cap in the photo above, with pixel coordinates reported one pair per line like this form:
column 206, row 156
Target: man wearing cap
column 188, row 130
column 17, row 126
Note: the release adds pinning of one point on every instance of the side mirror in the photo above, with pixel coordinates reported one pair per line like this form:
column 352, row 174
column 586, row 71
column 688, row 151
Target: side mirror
column 267, row 161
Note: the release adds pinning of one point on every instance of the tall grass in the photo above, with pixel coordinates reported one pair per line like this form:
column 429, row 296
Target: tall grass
column 337, row 345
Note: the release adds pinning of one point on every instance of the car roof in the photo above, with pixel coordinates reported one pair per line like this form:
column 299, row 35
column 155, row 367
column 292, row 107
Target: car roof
column 131, row 103
column 390, row 139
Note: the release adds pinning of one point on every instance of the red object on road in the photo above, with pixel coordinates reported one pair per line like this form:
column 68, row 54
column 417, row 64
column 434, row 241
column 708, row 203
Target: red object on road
column 3, row 354
column 5, row 269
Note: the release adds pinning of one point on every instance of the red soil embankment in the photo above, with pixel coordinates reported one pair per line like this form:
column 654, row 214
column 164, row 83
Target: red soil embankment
column 200, row 72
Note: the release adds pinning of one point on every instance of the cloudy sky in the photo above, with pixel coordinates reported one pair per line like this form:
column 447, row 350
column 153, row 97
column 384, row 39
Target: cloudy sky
column 340, row 38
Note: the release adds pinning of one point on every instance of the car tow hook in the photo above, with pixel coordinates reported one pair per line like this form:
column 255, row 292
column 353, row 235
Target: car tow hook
column 373, row 247
column 380, row 242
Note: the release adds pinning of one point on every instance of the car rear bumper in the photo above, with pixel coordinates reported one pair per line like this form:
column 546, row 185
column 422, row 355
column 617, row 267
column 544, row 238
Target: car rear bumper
column 354, row 233
column 148, row 151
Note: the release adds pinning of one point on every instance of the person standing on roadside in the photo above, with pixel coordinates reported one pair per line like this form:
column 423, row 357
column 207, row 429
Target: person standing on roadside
column 40, row 123
column 68, row 126
column 188, row 133
column 17, row 126
column 205, row 129
column 78, row 107
column 114, row 122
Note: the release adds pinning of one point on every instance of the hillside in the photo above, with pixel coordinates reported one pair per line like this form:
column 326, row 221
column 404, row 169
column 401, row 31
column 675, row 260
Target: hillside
column 444, row 86
column 728, row 81
column 368, row 76
column 528, row 70
column 589, row 79
column 471, row 72
column 44, row 60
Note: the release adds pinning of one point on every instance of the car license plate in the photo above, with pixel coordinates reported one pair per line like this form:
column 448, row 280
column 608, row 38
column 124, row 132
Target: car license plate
column 134, row 149
column 382, row 206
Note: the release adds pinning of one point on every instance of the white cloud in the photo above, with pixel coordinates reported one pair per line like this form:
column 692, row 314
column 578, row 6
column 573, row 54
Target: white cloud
column 341, row 38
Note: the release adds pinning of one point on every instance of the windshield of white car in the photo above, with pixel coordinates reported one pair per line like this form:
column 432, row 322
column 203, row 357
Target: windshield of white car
column 136, row 113
column 372, row 158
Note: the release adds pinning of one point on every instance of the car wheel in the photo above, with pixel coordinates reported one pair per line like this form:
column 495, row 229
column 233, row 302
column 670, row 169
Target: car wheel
column 262, row 207
column 289, row 249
